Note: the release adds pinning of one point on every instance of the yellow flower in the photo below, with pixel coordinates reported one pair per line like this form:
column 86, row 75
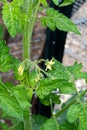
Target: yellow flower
column 37, row 78
column 21, row 69
column 49, row 64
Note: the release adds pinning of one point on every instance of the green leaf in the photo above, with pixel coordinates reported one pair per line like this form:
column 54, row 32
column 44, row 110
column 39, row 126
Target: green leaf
column 43, row 21
column 62, row 120
column 59, row 21
column 78, row 111
column 37, row 121
column 58, row 71
column 67, row 2
column 3, row 47
column 67, row 126
column 56, row 2
column 3, row 126
column 73, row 112
column 20, row 92
column 68, row 88
column 51, row 98
column 50, row 24
column 44, row 2
column 5, row 64
column 50, row 124
column 1, row 31
column 18, row 3
column 22, row 22
column 5, row 58
column 9, row 104
column 22, row 15
column 7, row 61
column 70, row 73
column 10, row 16
column 51, row 12
column 55, row 99
column 35, row 2
column 76, row 71
column 65, row 24
column 27, row 7
column 18, row 126
column 46, row 86
column 9, row 85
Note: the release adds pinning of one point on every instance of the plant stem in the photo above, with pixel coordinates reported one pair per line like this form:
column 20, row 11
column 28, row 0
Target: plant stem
column 26, row 43
column 28, row 33
column 27, row 120
column 74, row 100
column 26, row 53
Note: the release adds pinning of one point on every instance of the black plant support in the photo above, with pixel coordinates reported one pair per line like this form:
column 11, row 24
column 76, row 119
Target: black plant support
column 55, row 40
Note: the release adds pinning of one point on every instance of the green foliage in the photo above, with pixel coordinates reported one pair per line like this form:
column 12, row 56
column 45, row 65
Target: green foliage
column 9, row 103
column 51, row 98
column 58, row 71
column 76, row 71
column 54, row 19
column 50, row 124
column 67, row 126
column 5, row 58
column 64, row 3
column 78, row 112
column 10, row 17
column 21, row 96
column 67, row 2
column 3, row 125
column 17, row 126
column 14, row 16
column 7, row 61
column 1, row 32
column 70, row 73
column 56, row 2
column 46, row 86
column 38, row 121
column 18, row 103
column 19, row 16
column 3, row 47
column 44, row 2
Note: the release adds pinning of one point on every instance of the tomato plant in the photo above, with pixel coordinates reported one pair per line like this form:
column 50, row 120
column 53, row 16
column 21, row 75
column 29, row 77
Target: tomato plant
column 19, row 16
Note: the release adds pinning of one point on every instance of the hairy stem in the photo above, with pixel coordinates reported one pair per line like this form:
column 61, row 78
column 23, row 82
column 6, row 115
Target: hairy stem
column 28, row 33
column 27, row 120
column 26, row 53
column 70, row 103
column 26, row 43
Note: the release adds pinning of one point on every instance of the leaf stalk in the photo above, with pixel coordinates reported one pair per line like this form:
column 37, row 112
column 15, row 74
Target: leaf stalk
column 74, row 100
